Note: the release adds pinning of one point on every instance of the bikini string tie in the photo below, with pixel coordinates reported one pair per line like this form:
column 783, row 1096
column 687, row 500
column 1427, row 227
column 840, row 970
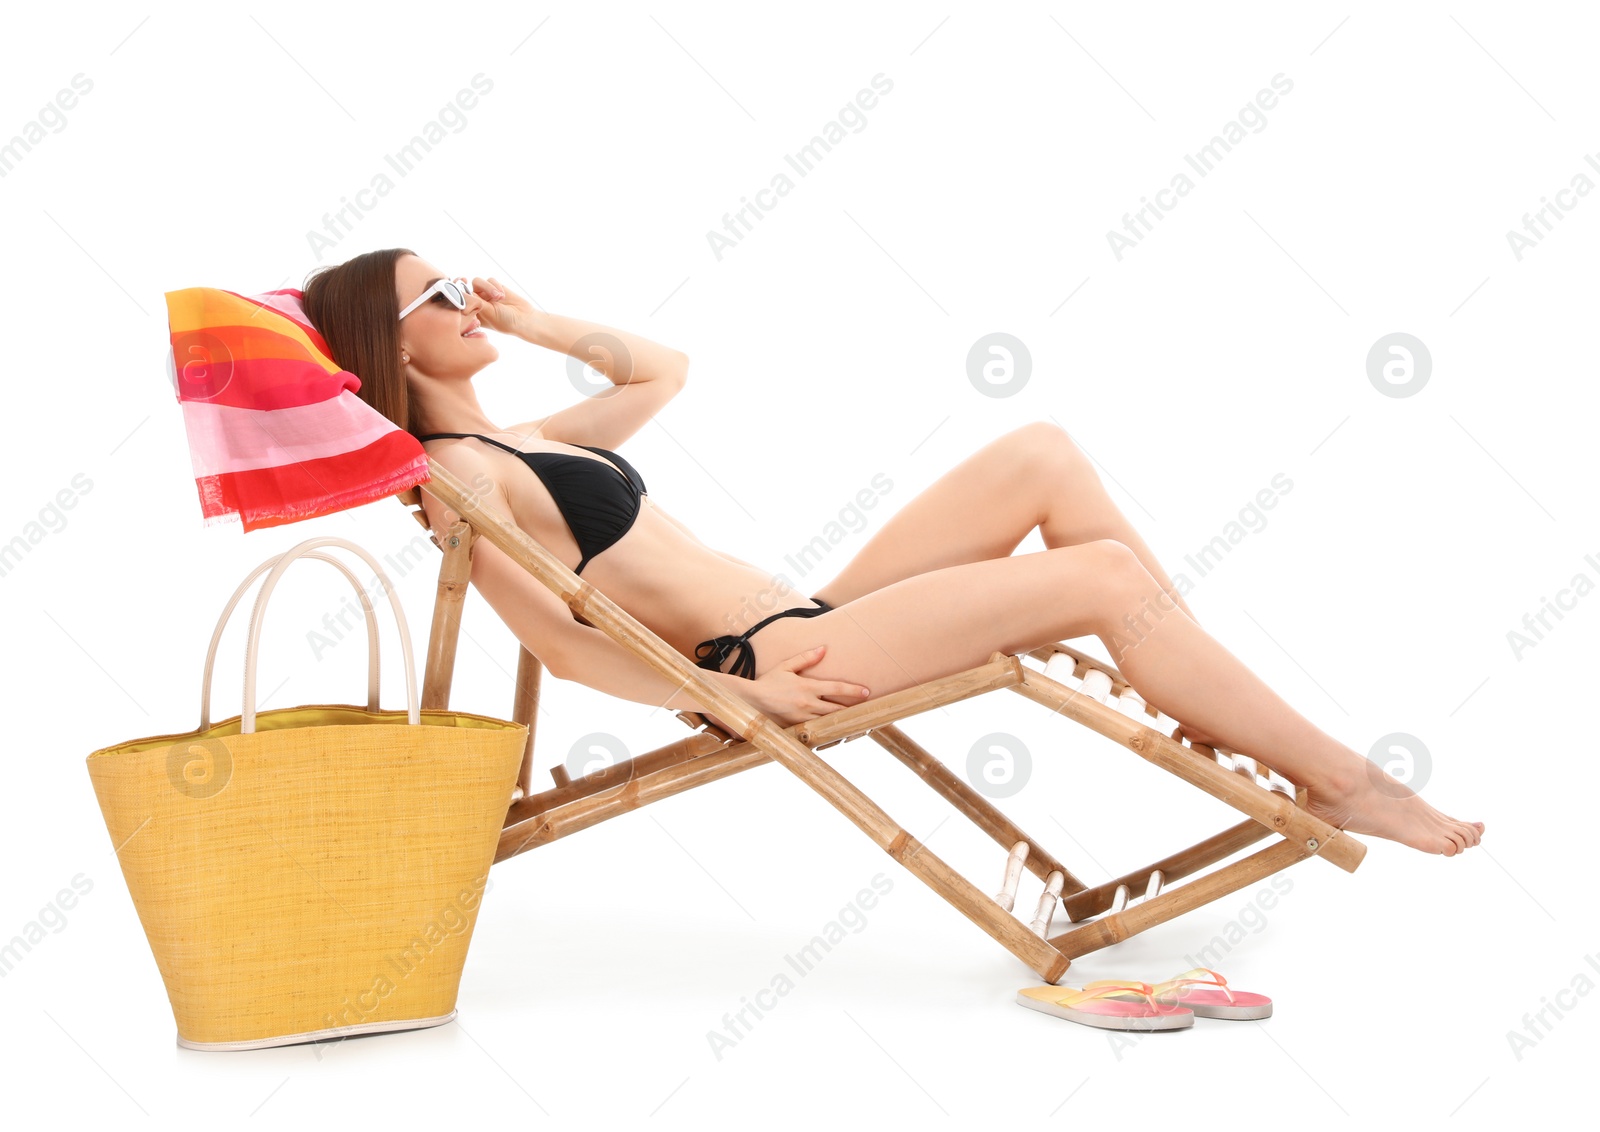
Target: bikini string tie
column 713, row 653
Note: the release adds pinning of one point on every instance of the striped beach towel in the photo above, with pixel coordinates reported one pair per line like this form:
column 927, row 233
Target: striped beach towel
column 276, row 431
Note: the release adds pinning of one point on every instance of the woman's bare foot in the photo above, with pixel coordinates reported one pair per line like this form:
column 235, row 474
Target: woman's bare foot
column 1374, row 802
column 1367, row 799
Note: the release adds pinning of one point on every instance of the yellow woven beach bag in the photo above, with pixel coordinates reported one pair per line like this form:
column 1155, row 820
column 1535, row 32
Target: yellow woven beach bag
column 310, row 872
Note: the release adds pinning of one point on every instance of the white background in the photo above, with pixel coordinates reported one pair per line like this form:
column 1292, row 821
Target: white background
column 829, row 346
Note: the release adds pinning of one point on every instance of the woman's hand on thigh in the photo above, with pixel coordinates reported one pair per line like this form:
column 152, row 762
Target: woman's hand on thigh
column 789, row 697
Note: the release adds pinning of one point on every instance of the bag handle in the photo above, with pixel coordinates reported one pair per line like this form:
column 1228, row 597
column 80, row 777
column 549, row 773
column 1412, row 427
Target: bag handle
column 206, row 680
column 247, row 722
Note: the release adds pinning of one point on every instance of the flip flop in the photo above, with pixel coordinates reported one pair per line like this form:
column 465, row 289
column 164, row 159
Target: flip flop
column 1187, row 992
column 1093, row 1004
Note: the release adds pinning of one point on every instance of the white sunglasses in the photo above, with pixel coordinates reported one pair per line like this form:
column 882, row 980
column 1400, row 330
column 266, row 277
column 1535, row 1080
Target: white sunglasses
column 452, row 291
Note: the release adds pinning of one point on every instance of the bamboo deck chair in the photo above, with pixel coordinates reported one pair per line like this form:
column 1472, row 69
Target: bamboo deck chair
column 1078, row 686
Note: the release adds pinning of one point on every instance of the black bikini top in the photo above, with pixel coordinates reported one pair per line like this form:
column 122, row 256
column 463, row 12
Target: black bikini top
column 599, row 503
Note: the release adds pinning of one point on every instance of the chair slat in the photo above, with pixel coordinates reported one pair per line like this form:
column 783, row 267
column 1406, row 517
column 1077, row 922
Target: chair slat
column 1007, row 895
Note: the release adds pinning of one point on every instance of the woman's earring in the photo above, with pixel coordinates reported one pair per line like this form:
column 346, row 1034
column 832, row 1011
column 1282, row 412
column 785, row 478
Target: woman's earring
column 405, row 358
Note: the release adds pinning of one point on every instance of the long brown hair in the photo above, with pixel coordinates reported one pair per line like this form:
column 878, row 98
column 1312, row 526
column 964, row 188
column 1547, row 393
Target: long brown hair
column 353, row 305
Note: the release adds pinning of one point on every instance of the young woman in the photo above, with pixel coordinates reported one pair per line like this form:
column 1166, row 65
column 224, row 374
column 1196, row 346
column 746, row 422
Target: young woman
column 935, row 591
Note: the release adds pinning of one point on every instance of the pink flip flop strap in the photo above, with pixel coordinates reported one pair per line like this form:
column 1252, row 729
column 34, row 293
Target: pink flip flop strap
column 1106, row 988
column 1187, row 978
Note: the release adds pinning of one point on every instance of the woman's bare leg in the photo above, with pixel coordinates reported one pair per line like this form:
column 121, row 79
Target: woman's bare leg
column 1220, row 696
column 1034, row 476
column 892, row 638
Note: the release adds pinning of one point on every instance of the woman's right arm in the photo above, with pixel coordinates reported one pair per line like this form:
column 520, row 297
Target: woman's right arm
column 581, row 653
column 571, row 650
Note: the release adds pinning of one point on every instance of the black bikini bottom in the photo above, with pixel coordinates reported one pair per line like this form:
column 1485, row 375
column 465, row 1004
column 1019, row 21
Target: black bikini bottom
column 711, row 654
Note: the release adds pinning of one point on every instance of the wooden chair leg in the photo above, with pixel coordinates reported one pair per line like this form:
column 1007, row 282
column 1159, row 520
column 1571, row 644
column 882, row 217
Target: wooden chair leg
column 525, row 709
column 1093, row 901
column 1145, row 914
column 455, row 572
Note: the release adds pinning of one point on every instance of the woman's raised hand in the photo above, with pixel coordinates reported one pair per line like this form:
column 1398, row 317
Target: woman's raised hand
column 502, row 310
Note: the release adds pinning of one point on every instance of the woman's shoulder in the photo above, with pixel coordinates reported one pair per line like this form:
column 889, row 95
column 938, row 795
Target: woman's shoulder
column 472, row 464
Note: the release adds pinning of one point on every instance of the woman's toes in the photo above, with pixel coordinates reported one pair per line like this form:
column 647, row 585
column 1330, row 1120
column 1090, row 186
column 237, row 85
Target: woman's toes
column 1400, row 816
